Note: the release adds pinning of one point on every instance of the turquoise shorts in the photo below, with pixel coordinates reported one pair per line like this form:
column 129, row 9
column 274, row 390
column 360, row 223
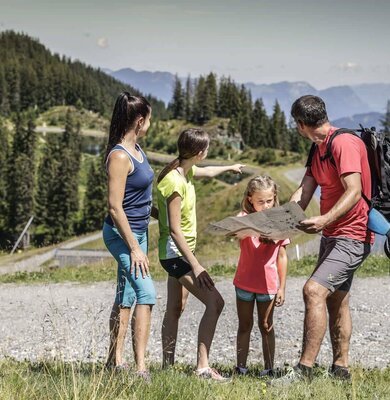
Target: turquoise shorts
column 129, row 288
column 250, row 296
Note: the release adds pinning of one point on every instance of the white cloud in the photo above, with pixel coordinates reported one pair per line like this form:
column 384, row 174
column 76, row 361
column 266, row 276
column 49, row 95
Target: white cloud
column 349, row 66
column 102, row 42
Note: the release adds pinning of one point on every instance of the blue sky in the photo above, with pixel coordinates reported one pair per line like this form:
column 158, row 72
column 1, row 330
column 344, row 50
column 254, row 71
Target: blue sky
column 326, row 43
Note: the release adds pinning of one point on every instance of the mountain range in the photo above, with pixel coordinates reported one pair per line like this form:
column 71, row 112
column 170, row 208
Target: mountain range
column 354, row 104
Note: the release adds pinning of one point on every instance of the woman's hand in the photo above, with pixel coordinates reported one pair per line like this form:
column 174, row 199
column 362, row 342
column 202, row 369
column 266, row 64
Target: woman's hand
column 139, row 260
column 203, row 279
column 237, row 168
column 279, row 300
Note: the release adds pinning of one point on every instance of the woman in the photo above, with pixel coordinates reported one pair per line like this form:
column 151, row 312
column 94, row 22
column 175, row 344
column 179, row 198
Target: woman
column 130, row 181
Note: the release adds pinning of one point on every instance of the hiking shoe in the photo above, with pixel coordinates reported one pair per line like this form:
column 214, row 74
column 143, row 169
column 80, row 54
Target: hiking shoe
column 293, row 375
column 212, row 374
column 266, row 372
column 240, row 371
column 339, row 372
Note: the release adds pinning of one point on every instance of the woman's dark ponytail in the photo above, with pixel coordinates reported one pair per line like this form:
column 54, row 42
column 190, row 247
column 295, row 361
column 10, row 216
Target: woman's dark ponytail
column 127, row 109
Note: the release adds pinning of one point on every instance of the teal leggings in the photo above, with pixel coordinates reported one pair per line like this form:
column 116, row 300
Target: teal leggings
column 129, row 288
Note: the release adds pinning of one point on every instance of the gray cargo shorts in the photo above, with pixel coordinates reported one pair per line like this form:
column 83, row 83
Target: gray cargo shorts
column 338, row 260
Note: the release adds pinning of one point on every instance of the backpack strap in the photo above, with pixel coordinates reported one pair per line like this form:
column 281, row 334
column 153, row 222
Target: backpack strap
column 328, row 153
column 309, row 161
column 337, row 132
column 381, row 157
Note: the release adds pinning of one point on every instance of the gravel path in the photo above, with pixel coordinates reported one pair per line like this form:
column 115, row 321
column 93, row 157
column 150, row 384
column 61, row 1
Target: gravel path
column 71, row 321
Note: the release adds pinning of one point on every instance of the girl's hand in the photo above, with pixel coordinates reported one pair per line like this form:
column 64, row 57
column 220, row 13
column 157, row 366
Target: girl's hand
column 237, row 168
column 279, row 300
column 203, row 278
column 139, row 260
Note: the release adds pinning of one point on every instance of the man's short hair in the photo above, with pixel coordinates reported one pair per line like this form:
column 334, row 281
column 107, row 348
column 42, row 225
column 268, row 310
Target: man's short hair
column 309, row 110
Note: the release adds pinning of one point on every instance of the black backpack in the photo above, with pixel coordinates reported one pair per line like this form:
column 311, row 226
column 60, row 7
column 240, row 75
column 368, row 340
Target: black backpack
column 378, row 152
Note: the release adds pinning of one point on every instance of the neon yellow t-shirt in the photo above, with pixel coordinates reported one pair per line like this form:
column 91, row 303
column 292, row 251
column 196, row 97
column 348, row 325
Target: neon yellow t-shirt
column 174, row 182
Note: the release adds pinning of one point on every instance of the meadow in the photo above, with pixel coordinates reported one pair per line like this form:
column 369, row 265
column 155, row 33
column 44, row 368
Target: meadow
column 84, row 381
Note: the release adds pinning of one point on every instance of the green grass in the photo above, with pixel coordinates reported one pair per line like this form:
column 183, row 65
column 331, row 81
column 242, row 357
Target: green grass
column 106, row 271
column 58, row 380
column 375, row 265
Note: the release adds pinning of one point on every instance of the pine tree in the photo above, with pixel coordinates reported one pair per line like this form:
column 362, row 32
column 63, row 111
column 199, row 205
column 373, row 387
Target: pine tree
column 95, row 203
column 223, row 101
column 210, row 97
column 188, row 99
column 229, row 102
column 4, row 150
column 245, row 113
column 177, row 106
column 64, row 204
column 278, row 132
column 260, row 126
column 198, row 109
column 4, row 101
column 21, row 177
column 47, row 174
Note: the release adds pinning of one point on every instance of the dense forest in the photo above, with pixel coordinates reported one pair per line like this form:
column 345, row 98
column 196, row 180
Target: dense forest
column 205, row 98
column 32, row 77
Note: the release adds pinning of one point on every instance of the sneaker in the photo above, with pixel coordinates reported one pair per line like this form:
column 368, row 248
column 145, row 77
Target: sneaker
column 339, row 372
column 144, row 375
column 293, row 375
column 212, row 374
column 240, row 371
column 266, row 372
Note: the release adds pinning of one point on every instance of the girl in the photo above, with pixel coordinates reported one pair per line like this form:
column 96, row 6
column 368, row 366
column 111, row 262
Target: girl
column 260, row 277
column 177, row 223
column 130, row 180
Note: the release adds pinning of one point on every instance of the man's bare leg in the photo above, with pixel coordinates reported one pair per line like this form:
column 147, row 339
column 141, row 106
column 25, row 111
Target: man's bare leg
column 314, row 328
column 340, row 326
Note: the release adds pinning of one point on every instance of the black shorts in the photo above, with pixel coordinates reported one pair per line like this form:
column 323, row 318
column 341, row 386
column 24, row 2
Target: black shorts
column 176, row 267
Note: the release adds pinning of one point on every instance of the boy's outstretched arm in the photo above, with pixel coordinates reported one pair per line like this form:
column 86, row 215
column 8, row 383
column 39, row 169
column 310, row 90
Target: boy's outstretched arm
column 211, row 171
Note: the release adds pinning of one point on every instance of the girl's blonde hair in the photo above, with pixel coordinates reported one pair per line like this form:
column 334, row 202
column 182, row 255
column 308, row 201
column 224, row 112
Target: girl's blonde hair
column 256, row 184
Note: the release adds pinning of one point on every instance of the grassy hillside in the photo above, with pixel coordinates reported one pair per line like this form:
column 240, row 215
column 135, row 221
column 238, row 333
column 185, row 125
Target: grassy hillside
column 31, row 76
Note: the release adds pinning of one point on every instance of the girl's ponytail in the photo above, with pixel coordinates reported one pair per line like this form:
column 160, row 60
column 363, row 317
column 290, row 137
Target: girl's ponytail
column 168, row 168
column 190, row 143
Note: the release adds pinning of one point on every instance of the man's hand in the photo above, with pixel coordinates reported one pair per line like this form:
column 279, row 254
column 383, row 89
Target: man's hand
column 313, row 224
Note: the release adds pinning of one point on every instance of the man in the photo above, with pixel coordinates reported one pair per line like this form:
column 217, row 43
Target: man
column 345, row 241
